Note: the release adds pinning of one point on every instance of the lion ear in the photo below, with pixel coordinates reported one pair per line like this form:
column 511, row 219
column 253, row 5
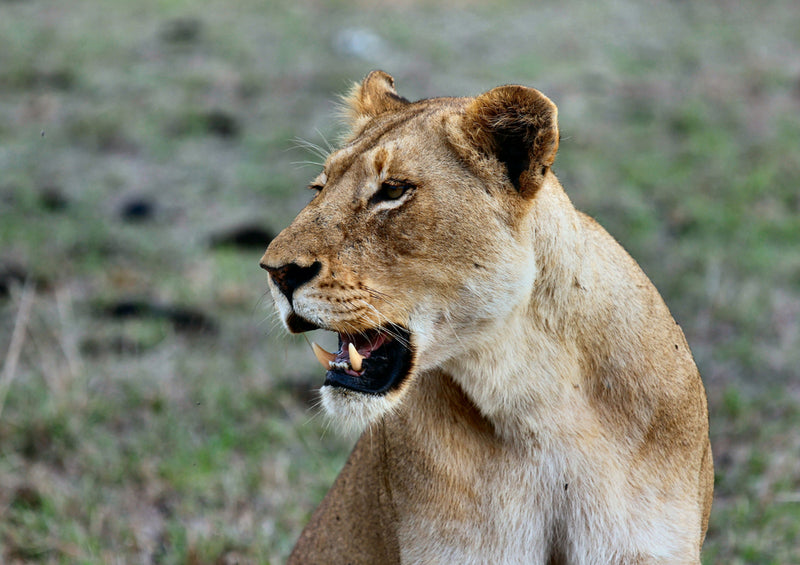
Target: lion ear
column 374, row 96
column 518, row 126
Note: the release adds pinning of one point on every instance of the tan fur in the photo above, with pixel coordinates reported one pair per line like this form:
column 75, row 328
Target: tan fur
column 554, row 413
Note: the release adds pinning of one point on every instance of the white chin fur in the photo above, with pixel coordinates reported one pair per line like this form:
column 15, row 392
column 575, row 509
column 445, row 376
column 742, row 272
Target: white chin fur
column 352, row 411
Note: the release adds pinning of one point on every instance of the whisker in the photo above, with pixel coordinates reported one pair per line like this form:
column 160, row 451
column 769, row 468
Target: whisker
column 301, row 164
column 311, row 147
column 453, row 329
column 272, row 317
column 324, row 140
column 259, row 301
column 387, row 327
column 317, row 411
column 382, row 296
column 376, row 293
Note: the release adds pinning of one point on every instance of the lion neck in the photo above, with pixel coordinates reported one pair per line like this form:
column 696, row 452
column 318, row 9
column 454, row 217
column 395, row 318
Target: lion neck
column 528, row 372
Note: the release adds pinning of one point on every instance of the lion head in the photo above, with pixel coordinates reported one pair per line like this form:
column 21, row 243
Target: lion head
column 418, row 241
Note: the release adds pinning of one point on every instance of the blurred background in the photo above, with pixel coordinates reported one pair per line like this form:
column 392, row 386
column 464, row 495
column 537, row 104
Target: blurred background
column 152, row 410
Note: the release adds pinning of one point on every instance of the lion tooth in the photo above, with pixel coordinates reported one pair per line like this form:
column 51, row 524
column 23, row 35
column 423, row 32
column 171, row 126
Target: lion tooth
column 355, row 357
column 325, row 359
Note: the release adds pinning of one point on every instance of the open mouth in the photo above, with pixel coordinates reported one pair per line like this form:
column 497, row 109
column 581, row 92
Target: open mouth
column 373, row 362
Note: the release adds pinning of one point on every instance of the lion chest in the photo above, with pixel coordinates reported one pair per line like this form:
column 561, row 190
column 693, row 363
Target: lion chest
column 541, row 506
column 485, row 521
column 504, row 508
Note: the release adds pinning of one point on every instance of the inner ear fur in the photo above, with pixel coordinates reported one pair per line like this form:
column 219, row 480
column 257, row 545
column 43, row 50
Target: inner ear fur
column 518, row 126
column 372, row 97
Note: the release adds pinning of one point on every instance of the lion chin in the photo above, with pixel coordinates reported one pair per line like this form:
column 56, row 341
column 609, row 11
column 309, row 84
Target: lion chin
column 352, row 412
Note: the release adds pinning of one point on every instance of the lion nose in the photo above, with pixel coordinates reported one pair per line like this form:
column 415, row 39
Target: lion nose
column 290, row 277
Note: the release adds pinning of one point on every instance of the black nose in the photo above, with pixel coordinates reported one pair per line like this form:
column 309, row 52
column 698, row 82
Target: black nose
column 289, row 278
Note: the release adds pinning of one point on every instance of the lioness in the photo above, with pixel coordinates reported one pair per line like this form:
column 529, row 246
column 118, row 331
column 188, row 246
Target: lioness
column 527, row 396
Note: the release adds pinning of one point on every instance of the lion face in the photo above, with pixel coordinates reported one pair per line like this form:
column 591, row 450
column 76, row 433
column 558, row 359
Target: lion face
column 417, row 241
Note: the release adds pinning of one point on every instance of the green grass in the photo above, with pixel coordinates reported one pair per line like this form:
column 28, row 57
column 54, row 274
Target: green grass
column 128, row 440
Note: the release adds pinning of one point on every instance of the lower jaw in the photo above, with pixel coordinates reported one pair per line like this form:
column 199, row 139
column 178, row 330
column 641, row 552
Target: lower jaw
column 338, row 379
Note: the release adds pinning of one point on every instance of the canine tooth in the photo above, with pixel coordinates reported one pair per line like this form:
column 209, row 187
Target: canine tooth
column 325, row 359
column 355, row 357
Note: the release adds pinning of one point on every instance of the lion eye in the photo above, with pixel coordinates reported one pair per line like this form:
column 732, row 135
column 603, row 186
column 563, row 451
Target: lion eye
column 392, row 190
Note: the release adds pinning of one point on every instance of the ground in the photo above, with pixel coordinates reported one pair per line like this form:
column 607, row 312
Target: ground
column 151, row 408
